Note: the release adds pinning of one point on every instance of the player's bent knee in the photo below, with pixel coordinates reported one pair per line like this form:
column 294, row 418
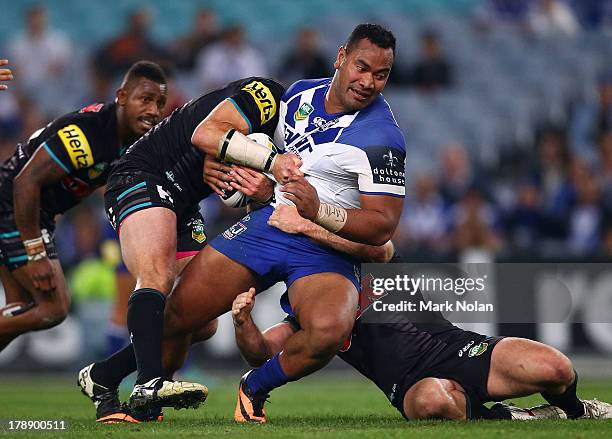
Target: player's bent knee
column 205, row 332
column 430, row 403
column 560, row 369
column 327, row 337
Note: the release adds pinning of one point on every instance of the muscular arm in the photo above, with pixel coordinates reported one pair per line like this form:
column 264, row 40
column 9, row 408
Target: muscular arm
column 287, row 219
column 255, row 346
column 40, row 171
column 224, row 117
column 373, row 223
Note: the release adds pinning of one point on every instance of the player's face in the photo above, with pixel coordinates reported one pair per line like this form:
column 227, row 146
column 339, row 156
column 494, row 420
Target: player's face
column 143, row 102
column 361, row 74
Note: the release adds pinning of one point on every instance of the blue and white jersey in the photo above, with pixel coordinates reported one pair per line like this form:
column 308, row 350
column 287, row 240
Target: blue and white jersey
column 344, row 154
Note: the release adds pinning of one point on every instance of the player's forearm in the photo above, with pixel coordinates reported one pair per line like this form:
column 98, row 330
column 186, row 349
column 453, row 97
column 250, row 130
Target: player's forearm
column 368, row 227
column 26, row 202
column 252, row 344
column 363, row 252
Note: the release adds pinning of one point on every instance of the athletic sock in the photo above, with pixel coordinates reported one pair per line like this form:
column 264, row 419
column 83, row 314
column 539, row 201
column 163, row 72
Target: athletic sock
column 115, row 368
column 474, row 409
column 267, row 377
column 146, row 324
column 567, row 401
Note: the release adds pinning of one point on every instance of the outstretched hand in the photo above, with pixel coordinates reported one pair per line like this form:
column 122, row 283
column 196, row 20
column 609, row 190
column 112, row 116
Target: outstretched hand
column 242, row 306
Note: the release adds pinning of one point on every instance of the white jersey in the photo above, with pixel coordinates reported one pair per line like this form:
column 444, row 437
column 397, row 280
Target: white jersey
column 345, row 154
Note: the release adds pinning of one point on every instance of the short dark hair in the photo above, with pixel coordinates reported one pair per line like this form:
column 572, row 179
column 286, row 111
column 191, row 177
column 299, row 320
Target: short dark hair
column 145, row 69
column 375, row 33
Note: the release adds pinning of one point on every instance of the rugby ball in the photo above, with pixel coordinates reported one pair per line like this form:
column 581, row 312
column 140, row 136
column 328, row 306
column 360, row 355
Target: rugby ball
column 235, row 198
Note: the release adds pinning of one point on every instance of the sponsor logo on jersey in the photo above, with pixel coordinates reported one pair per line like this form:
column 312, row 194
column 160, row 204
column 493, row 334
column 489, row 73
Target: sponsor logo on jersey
column 77, row 146
column 263, row 98
column 387, row 165
column 464, row 349
column 93, row 108
column 234, row 231
column 303, row 112
column 479, row 349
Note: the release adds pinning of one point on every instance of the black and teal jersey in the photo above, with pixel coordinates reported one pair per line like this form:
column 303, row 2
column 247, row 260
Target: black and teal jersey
column 84, row 143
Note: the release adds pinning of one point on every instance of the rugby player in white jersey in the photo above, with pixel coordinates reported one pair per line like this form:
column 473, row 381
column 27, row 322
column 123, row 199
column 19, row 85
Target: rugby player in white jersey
column 352, row 153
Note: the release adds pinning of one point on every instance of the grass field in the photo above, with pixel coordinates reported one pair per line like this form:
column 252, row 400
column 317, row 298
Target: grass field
column 338, row 405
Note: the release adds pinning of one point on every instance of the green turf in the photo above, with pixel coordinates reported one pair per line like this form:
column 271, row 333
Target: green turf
column 341, row 405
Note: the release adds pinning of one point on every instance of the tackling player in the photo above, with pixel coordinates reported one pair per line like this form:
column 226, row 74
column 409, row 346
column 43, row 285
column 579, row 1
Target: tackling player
column 431, row 369
column 152, row 201
column 54, row 170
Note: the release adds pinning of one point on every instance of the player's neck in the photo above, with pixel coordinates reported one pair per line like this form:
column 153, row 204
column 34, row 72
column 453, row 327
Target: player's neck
column 125, row 135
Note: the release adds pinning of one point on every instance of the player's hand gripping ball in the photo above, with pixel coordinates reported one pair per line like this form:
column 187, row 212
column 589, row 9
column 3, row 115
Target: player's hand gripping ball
column 235, row 198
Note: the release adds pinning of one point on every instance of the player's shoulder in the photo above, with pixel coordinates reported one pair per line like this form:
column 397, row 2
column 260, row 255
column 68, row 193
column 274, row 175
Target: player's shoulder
column 89, row 117
column 375, row 125
column 254, row 83
column 303, row 85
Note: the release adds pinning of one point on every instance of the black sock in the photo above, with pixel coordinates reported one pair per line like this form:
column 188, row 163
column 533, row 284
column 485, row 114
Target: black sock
column 568, row 401
column 476, row 410
column 115, row 368
column 145, row 320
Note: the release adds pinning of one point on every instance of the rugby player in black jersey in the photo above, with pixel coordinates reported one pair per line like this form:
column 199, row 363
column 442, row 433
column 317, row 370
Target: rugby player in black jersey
column 431, row 369
column 152, row 201
column 53, row 171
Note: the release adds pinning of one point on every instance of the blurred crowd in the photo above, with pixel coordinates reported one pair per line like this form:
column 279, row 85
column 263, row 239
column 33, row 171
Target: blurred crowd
column 552, row 199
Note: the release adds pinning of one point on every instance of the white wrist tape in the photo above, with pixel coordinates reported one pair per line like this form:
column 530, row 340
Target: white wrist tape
column 235, row 147
column 331, row 217
column 35, row 249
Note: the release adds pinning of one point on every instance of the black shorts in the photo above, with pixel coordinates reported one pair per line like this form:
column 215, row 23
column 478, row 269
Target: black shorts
column 12, row 251
column 128, row 194
column 466, row 360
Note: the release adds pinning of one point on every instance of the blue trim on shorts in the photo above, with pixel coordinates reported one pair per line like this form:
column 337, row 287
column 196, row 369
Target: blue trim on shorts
column 242, row 114
column 133, row 208
column 9, row 234
column 54, row 157
column 18, row 259
column 132, row 189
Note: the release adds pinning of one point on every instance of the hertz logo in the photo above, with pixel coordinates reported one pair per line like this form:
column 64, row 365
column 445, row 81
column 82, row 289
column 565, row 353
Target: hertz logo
column 263, row 98
column 77, row 146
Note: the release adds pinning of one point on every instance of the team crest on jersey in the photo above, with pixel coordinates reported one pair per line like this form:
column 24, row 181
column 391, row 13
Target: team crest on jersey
column 197, row 231
column 303, row 112
column 479, row 349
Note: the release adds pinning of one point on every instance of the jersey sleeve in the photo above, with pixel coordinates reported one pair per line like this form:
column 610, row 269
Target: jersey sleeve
column 258, row 101
column 69, row 146
column 378, row 157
